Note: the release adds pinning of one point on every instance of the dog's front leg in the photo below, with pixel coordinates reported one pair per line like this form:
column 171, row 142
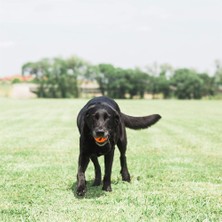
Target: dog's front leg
column 108, row 171
column 98, row 176
column 81, row 181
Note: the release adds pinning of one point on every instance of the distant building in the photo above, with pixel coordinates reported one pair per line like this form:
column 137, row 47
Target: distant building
column 17, row 86
column 18, row 77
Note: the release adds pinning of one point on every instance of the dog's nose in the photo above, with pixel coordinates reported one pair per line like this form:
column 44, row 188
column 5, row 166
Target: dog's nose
column 100, row 133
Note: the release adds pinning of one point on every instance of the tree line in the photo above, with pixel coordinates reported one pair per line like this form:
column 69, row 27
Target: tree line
column 62, row 78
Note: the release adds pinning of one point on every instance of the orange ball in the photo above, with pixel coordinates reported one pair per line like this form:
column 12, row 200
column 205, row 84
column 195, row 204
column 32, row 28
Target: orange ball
column 100, row 139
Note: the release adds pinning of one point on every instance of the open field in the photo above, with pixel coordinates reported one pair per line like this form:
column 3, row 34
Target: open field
column 176, row 165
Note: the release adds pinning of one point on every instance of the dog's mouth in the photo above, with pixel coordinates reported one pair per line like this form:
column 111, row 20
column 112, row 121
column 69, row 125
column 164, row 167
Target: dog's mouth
column 101, row 141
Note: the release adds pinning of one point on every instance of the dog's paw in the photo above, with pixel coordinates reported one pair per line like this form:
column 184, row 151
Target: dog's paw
column 81, row 190
column 107, row 188
column 97, row 182
column 125, row 176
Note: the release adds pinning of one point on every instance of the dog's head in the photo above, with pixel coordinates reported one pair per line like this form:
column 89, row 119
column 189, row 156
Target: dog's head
column 102, row 120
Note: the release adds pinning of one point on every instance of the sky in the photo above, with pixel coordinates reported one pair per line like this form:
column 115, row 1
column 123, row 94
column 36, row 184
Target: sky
column 125, row 33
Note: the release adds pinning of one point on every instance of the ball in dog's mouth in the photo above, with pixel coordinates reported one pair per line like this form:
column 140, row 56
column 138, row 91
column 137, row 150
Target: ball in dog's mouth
column 101, row 140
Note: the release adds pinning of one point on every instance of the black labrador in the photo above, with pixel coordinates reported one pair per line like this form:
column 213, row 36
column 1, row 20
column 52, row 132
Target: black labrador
column 102, row 126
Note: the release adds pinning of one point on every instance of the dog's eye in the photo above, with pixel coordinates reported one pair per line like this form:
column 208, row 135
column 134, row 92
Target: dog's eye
column 96, row 116
column 105, row 116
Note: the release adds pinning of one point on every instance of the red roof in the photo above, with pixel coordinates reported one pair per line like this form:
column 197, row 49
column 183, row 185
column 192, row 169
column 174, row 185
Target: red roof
column 17, row 76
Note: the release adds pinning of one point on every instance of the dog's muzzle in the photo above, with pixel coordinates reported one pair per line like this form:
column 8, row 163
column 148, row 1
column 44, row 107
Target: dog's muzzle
column 101, row 141
column 100, row 137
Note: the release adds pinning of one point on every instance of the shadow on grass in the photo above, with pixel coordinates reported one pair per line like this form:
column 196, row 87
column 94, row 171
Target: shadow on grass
column 92, row 192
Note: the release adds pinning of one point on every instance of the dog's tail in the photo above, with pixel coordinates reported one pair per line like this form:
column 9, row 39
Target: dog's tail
column 140, row 122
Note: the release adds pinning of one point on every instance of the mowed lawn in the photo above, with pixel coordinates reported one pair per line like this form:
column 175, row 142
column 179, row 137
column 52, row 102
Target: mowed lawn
column 176, row 165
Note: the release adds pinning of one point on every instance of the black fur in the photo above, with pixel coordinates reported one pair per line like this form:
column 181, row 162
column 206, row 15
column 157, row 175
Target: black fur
column 101, row 117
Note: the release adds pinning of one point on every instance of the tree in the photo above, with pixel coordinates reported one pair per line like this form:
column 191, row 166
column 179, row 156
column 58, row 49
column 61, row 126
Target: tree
column 138, row 81
column 105, row 73
column 61, row 78
column 56, row 78
column 112, row 81
column 187, row 83
column 218, row 76
column 118, row 82
column 160, row 79
column 208, row 88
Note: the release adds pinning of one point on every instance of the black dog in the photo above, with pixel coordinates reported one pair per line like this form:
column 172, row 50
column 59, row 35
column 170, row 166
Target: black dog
column 102, row 125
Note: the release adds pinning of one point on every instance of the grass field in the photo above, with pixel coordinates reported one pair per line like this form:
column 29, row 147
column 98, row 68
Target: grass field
column 176, row 165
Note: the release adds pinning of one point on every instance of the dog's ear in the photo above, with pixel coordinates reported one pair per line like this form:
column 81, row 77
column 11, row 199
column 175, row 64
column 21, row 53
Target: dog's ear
column 116, row 114
column 87, row 112
column 117, row 118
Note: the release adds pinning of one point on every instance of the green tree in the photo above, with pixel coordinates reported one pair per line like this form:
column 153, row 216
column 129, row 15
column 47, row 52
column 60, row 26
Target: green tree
column 187, row 83
column 160, row 79
column 56, row 78
column 118, row 82
column 218, row 76
column 112, row 81
column 208, row 88
column 138, row 81
column 159, row 84
column 105, row 75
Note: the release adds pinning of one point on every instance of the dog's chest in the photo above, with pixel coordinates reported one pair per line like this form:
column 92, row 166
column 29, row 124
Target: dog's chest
column 99, row 151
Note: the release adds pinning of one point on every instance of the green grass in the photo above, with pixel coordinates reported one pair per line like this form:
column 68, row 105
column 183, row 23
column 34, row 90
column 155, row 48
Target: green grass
column 176, row 165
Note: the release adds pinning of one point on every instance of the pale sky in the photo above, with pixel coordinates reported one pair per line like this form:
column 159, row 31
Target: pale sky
column 125, row 33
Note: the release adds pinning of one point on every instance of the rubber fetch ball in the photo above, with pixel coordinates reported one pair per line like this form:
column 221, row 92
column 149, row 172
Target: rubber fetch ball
column 100, row 139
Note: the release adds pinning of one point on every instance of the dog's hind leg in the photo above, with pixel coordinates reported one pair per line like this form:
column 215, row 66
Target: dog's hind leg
column 98, row 176
column 122, row 148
